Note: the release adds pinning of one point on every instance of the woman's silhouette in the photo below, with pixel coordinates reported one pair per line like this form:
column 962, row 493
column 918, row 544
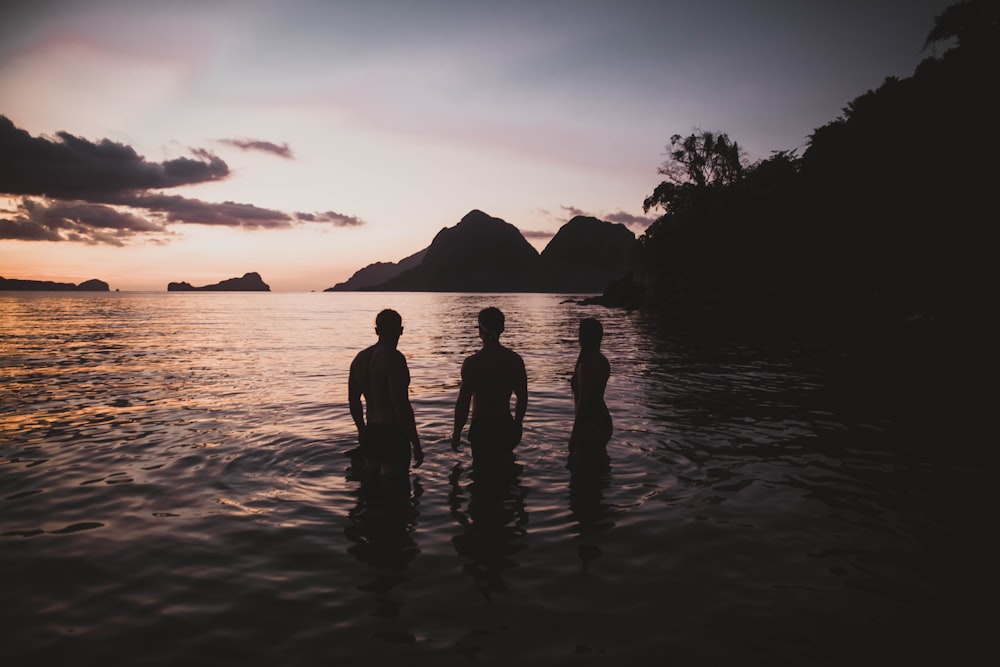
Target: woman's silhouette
column 592, row 426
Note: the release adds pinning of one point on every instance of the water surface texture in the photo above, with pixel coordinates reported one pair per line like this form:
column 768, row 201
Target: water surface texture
column 176, row 488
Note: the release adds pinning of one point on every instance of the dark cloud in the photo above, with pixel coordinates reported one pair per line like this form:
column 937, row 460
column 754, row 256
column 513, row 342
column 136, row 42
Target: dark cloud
column 74, row 221
column 22, row 229
column 334, row 218
column 74, row 168
column 74, row 189
column 176, row 209
column 281, row 150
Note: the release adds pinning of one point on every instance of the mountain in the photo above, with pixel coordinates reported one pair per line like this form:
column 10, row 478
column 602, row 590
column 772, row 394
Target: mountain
column 250, row 282
column 479, row 254
column 377, row 273
column 48, row 285
column 585, row 255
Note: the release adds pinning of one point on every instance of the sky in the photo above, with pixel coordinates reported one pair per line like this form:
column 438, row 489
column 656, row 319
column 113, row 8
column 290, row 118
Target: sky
column 145, row 142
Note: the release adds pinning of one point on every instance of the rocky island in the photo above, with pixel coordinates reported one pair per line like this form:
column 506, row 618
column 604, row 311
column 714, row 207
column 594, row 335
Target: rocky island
column 249, row 282
column 50, row 286
column 486, row 254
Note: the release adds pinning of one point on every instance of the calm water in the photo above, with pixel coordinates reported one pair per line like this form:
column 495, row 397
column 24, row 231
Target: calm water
column 175, row 488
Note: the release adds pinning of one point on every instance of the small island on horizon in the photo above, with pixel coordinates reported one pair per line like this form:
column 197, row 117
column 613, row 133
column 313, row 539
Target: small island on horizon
column 15, row 284
column 249, row 282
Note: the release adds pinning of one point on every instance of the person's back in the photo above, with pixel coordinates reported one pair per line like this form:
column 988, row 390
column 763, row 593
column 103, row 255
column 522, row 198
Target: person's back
column 492, row 374
column 489, row 378
column 386, row 425
column 374, row 368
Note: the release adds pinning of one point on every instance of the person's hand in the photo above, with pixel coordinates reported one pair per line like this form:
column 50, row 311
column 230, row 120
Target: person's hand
column 519, row 429
column 418, row 456
column 456, row 442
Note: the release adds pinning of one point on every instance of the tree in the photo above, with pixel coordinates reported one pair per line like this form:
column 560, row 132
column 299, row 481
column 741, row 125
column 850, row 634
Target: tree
column 701, row 160
column 974, row 24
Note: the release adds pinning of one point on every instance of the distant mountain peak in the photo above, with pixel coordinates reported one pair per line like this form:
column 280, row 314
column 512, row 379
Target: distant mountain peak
column 475, row 216
column 482, row 253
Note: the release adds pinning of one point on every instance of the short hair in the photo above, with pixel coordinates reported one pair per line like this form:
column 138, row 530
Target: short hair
column 491, row 319
column 388, row 321
column 591, row 332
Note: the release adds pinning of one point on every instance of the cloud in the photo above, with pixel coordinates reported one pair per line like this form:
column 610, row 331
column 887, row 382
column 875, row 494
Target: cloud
column 74, row 168
column 26, row 230
column 73, row 189
column 336, row 219
column 282, row 150
column 620, row 217
column 629, row 219
column 574, row 211
column 176, row 209
column 82, row 222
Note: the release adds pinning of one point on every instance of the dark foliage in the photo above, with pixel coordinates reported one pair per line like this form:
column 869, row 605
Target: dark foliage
column 882, row 222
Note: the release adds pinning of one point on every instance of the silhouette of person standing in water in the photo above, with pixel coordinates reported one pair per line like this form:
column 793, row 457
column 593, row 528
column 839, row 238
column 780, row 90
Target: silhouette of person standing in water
column 489, row 377
column 592, row 426
column 379, row 373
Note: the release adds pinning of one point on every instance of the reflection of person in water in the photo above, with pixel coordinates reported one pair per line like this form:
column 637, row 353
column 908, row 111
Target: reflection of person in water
column 492, row 514
column 380, row 529
column 592, row 426
column 489, row 377
column 379, row 373
column 593, row 516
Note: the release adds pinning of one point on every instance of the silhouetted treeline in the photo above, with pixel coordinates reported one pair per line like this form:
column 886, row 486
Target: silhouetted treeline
column 882, row 221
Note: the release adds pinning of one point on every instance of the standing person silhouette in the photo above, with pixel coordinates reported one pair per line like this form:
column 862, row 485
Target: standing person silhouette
column 592, row 426
column 489, row 377
column 380, row 374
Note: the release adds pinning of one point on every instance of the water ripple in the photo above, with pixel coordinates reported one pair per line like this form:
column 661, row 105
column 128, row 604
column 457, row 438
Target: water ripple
column 176, row 483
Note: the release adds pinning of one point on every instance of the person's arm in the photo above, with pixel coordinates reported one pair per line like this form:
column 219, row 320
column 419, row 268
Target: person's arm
column 399, row 388
column 521, row 396
column 354, row 399
column 462, row 406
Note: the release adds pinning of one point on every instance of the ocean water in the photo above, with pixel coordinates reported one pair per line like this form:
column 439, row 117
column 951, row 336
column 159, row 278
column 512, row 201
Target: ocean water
column 176, row 487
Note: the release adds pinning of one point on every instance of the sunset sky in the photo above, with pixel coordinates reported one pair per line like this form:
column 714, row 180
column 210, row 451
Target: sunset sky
column 143, row 142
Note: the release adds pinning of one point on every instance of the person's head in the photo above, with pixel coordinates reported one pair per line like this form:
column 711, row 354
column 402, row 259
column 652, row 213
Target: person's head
column 388, row 324
column 591, row 333
column 491, row 321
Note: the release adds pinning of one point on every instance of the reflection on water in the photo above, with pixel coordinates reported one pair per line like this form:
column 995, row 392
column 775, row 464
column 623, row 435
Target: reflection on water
column 381, row 532
column 589, row 479
column 176, row 485
column 490, row 509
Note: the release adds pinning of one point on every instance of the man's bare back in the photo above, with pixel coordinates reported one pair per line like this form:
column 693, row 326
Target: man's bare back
column 492, row 374
column 387, row 431
column 489, row 378
column 376, row 370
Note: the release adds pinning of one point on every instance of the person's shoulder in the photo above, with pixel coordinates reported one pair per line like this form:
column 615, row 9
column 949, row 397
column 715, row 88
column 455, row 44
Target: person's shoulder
column 362, row 355
column 513, row 355
column 394, row 357
column 598, row 362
